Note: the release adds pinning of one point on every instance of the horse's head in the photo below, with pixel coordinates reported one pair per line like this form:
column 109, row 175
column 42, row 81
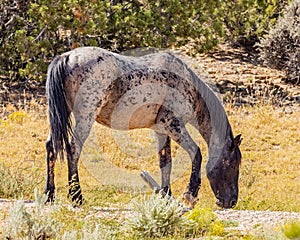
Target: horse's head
column 223, row 173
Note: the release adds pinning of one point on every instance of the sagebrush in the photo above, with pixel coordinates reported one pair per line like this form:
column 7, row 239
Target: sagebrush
column 280, row 48
column 157, row 217
column 33, row 224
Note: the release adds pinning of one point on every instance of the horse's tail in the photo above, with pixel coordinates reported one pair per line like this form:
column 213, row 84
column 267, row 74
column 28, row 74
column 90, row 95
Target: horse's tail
column 59, row 113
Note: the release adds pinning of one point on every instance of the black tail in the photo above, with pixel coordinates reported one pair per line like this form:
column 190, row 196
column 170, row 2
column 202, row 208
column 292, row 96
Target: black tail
column 59, row 113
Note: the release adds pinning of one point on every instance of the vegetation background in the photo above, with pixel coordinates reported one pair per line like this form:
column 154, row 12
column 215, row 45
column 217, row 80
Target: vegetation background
column 34, row 31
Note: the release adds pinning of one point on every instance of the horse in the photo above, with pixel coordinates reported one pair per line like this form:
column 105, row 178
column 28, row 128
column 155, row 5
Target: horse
column 156, row 91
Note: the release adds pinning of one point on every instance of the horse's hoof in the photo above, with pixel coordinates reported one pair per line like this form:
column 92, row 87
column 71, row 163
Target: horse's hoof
column 50, row 197
column 50, row 200
column 189, row 200
column 76, row 198
column 78, row 201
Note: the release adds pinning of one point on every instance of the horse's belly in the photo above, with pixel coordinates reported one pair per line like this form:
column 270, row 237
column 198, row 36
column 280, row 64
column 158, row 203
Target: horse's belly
column 128, row 117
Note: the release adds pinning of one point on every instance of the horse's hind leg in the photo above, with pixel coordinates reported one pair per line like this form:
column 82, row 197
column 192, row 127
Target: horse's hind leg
column 175, row 129
column 165, row 161
column 81, row 132
column 50, row 158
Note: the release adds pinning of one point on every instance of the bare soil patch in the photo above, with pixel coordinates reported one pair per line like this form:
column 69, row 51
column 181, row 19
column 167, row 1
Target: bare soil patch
column 242, row 79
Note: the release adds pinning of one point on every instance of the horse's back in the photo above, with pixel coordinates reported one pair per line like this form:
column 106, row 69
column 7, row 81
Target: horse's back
column 88, row 57
column 129, row 91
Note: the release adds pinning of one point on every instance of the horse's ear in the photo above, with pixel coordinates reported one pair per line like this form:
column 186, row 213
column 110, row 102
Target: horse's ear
column 236, row 141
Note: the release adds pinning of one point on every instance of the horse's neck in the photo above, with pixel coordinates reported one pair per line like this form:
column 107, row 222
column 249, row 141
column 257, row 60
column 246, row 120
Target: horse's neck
column 213, row 123
column 216, row 131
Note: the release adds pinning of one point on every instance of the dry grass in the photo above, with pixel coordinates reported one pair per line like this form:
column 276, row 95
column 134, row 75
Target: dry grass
column 269, row 172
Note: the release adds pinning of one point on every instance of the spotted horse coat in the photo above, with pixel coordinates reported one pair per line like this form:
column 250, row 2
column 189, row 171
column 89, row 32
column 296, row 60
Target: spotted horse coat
column 156, row 91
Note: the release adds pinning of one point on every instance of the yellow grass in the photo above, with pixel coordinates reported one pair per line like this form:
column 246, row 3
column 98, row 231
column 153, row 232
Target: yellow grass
column 270, row 175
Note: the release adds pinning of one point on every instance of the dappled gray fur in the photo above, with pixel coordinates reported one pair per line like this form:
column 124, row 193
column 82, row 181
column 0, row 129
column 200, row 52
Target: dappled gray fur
column 156, row 91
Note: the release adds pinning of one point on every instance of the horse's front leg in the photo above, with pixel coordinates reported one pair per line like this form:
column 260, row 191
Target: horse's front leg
column 191, row 194
column 165, row 161
column 175, row 129
column 50, row 158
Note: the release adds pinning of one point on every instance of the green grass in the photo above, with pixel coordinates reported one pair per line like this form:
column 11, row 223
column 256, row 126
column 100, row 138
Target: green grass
column 269, row 178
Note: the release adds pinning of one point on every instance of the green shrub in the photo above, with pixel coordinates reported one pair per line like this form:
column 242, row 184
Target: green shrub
column 281, row 47
column 206, row 223
column 248, row 20
column 33, row 32
column 292, row 230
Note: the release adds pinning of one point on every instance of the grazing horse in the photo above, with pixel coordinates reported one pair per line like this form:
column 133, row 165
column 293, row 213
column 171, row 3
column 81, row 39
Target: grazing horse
column 156, row 91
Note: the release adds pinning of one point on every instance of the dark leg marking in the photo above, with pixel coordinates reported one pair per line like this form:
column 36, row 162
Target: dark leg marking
column 165, row 161
column 195, row 180
column 50, row 158
column 73, row 177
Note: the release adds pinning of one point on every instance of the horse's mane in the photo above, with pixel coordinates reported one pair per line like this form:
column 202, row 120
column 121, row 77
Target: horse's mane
column 219, row 121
